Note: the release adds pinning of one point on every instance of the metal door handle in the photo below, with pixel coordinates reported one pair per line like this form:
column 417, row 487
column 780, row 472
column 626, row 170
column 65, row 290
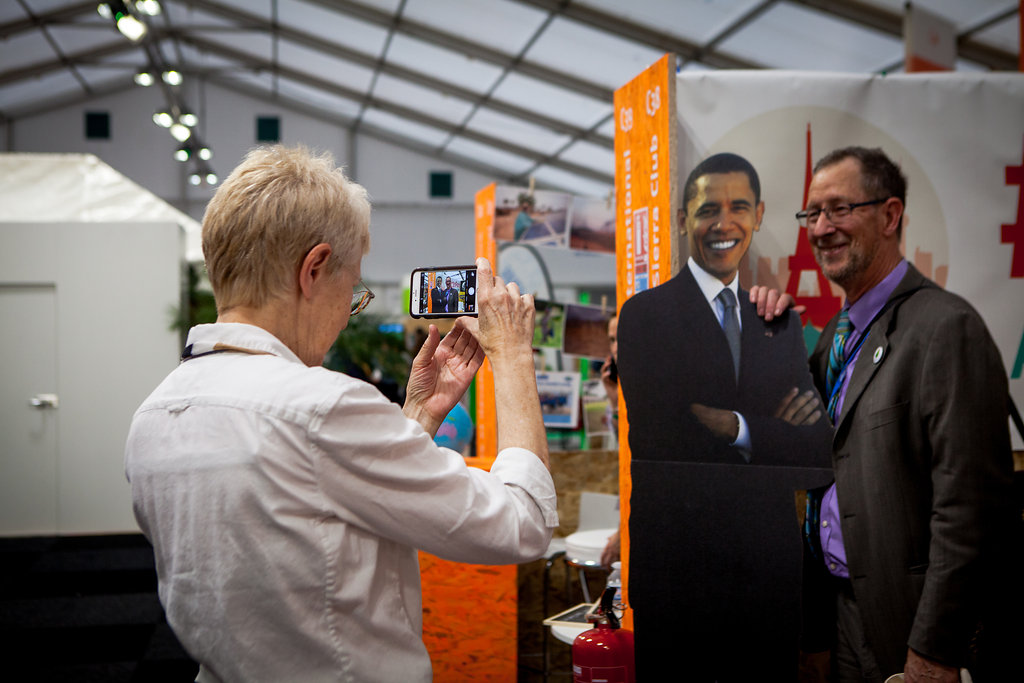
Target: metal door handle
column 44, row 401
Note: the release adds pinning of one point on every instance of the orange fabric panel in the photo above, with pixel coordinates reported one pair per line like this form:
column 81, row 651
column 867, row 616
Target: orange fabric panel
column 470, row 620
column 470, row 617
column 645, row 204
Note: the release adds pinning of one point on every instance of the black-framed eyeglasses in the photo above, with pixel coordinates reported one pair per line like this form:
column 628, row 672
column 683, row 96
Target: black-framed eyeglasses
column 836, row 214
column 361, row 298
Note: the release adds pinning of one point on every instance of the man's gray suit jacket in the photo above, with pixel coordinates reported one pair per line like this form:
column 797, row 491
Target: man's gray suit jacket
column 923, row 471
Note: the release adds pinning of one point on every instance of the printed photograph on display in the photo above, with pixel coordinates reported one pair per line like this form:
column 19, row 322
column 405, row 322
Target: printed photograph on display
column 592, row 390
column 596, row 418
column 586, row 330
column 592, row 225
column 540, row 218
column 548, row 325
column 559, row 398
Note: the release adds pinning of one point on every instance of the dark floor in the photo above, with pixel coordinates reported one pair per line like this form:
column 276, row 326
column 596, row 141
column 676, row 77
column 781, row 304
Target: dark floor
column 85, row 609
column 532, row 612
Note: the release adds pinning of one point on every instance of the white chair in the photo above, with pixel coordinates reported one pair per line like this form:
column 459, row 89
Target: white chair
column 598, row 520
column 596, row 511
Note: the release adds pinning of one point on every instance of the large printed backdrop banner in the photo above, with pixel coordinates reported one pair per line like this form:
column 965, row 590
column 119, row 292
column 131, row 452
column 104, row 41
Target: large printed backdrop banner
column 958, row 137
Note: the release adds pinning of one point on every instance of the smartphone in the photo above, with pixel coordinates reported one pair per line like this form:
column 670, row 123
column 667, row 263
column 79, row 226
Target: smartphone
column 443, row 292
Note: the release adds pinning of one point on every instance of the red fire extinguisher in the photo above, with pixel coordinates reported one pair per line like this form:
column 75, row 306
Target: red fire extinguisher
column 605, row 652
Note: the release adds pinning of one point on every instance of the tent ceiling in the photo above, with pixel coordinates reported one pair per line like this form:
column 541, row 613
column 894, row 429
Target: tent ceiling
column 513, row 88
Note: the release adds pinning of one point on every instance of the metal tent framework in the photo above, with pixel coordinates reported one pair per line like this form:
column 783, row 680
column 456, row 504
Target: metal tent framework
column 517, row 89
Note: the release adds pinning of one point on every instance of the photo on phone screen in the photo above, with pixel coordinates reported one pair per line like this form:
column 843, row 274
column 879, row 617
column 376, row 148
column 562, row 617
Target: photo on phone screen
column 443, row 292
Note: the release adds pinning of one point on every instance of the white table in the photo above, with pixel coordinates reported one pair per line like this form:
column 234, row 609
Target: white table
column 567, row 634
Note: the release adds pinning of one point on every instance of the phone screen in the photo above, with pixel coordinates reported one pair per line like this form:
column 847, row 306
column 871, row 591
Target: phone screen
column 443, row 292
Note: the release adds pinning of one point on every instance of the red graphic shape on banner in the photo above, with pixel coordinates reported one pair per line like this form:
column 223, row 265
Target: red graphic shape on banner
column 1013, row 233
column 822, row 307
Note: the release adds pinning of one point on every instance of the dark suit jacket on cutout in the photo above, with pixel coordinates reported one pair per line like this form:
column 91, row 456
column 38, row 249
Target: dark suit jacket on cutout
column 437, row 300
column 715, row 549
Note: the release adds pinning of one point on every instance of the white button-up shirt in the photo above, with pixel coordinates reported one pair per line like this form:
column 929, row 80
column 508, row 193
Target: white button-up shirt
column 286, row 503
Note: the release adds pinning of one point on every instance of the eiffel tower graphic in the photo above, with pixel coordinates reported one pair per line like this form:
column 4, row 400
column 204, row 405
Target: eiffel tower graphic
column 1013, row 233
column 825, row 304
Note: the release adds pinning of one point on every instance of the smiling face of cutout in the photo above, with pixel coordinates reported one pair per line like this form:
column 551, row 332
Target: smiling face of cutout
column 719, row 222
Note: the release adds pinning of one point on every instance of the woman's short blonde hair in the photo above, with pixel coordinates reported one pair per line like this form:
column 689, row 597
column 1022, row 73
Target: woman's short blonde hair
column 279, row 203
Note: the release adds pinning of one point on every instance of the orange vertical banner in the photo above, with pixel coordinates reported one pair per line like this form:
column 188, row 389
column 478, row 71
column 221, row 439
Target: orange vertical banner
column 645, row 201
column 486, row 246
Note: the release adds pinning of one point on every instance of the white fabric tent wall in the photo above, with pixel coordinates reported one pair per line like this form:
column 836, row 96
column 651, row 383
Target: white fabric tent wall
column 81, row 187
column 90, row 273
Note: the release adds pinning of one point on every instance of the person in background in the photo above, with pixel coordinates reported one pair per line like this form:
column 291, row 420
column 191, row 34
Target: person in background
column 418, row 339
column 914, row 542
column 610, row 374
column 286, row 502
column 610, row 380
column 523, row 219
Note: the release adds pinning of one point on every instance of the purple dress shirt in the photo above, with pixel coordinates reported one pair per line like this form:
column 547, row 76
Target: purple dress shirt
column 862, row 312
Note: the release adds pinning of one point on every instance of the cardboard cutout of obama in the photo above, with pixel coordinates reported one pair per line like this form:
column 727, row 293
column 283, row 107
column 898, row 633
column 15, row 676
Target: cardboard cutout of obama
column 437, row 297
column 722, row 434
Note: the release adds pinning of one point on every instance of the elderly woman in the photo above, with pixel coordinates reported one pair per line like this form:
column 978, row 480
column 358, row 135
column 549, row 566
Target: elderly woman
column 286, row 502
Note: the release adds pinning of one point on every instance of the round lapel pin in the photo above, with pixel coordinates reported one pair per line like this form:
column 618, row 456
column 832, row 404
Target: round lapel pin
column 878, row 355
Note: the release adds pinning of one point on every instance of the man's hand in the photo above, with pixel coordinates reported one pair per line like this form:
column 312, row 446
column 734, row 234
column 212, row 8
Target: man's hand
column 771, row 304
column 799, row 409
column 723, row 423
column 441, row 373
column 920, row 669
column 612, row 550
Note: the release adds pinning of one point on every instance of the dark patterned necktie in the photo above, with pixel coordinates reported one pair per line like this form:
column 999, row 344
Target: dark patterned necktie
column 731, row 326
column 835, row 360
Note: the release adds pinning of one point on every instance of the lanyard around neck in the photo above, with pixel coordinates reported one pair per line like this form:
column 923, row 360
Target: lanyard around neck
column 841, row 380
column 189, row 354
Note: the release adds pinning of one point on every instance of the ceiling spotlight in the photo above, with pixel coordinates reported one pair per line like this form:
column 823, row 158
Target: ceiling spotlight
column 172, row 77
column 144, row 78
column 183, row 153
column 204, row 153
column 133, row 29
column 130, row 26
column 195, row 179
column 163, row 119
column 211, row 178
column 150, row 8
column 188, row 119
column 180, row 132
